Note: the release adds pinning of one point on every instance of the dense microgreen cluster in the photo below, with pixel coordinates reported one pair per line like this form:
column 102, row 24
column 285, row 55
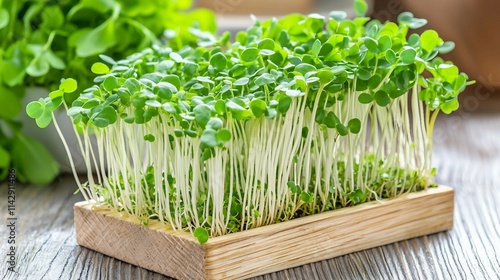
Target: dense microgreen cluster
column 296, row 116
column 43, row 41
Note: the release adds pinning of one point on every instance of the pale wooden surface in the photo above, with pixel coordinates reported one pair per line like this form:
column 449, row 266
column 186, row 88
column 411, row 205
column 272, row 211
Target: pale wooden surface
column 467, row 154
column 267, row 249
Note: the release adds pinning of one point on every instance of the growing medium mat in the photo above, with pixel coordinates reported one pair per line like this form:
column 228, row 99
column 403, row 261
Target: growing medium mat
column 270, row 248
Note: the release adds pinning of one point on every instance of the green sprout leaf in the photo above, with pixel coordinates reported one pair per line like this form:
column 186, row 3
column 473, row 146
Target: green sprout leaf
column 354, row 125
column 360, row 7
column 68, row 85
column 201, row 234
column 249, row 55
column 218, row 61
column 99, row 68
column 258, row 107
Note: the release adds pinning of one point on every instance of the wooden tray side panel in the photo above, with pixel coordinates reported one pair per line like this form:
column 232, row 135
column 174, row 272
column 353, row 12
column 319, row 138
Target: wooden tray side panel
column 324, row 236
column 267, row 249
column 153, row 249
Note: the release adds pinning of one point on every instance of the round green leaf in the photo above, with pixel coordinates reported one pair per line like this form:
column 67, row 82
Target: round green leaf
column 331, row 120
column 365, row 98
column 266, row 44
column 223, row 135
column 209, row 138
column 110, row 83
column 360, row 7
column 202, row 114
column 382, row 98
column 34, row 109
column 429, row 40
column 201, row 234
column 99, row 68
column 390, row 55
column 284, row 104
column 384, row 43
column 354, row 126
column 68, row 85
column 341, row 129
column 371, row 45
column 218, row 61
column 258, row 107
column 408, row 56
column 242, row 81
column 250, row 55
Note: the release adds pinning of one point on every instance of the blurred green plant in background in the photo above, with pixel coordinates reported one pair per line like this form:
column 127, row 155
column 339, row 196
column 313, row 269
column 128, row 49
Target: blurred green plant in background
column 42, row 41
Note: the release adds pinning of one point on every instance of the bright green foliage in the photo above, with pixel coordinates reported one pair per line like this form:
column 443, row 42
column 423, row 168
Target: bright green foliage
column 43, row 41
column 296, row 117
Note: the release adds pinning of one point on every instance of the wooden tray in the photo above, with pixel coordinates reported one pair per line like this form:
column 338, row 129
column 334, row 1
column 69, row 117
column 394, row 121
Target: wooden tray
column 263, row 250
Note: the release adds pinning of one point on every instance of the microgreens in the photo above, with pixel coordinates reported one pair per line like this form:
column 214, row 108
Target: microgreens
column 297, row 116
column 42, row 41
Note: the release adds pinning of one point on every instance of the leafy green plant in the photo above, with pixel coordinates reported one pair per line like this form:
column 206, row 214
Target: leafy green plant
column 297, row 116
column 43, row 41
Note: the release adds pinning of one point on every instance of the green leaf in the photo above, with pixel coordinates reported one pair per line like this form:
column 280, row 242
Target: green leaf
column 408, row 56
column 382, row 98
column 223, row 135
column 305, row 68
column 384, row 43
column 32, row 161
column 284, row 104
column 202, row 114
column 99, row 68
column 266, row 44
column 149, row 137
column 360, row 7
column 215, row 123
column 390, row 55
column 201, row 234
column 10, row 104
column 249, row 55
column 68, row 85
column 258, row 107
column 110, row 83
column 371, row 44
column 133, row 85
column 95, row 41
column 449, row 107
column 325, row 76
column 331, row 120
column 38, row 67
column 54, row 61
column 341, row 129
column 365, row 98
column 242, row 81
column 295, row 93
column 338, row 15
column 209, row 138
column 34, row 109
column 105, row 117
column 218, row 61
column 174, row 80
column 446, row 47
column 316, row 47
column 4, row 18
column 4, row 161
column 354, row 125
column 429, row 40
